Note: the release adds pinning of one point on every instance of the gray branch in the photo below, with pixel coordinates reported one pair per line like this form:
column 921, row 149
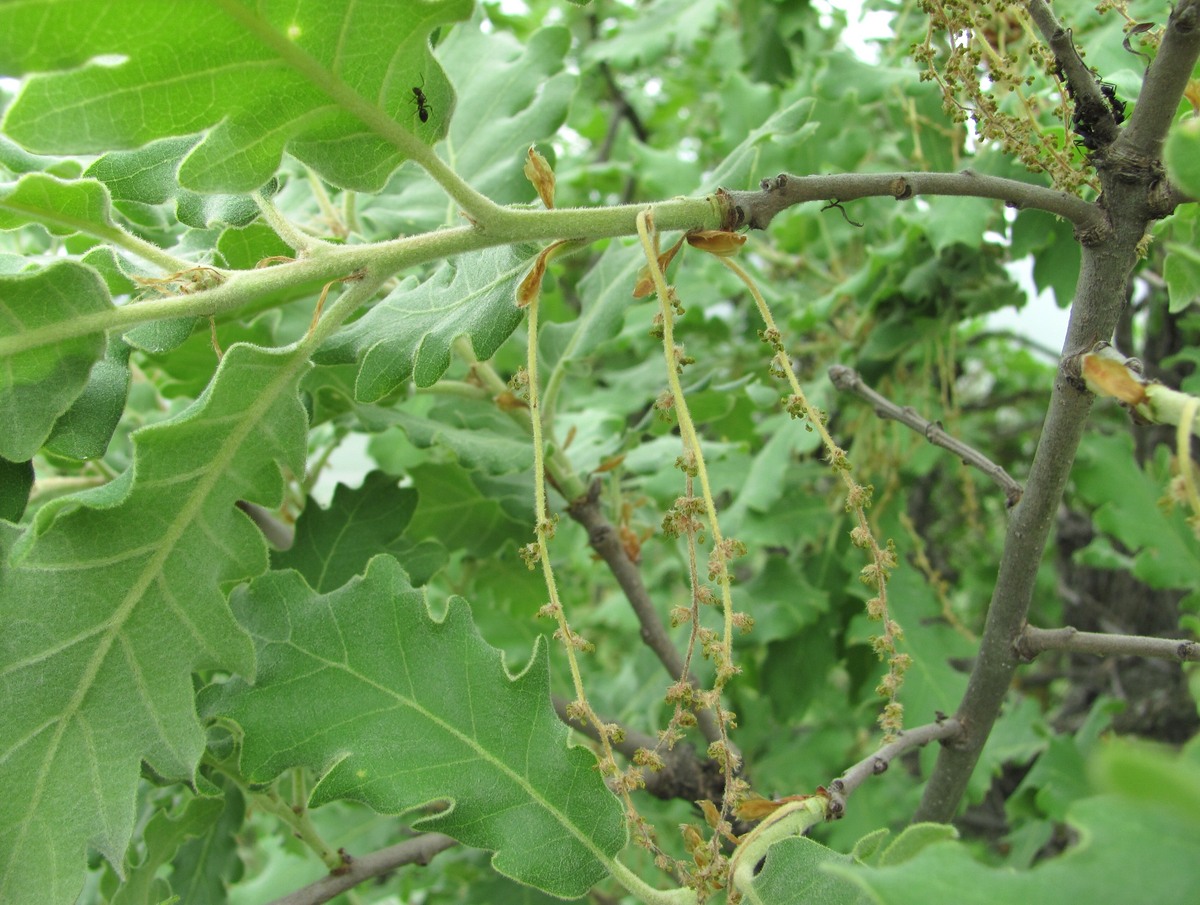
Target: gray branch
column 849, row 380
column 603, row 538
column 1034, row 641
column 944, row 731
column 1130, row 187
column 1164, row 83
column 756, row 209
column 419, row 850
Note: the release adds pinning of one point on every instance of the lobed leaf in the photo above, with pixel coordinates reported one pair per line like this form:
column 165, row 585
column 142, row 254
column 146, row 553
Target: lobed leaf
column 408, row 335
column 85, row 429
column 461, row 510
column 111, row 599
column 508, row 96
column 794, row 874
column 425, row 712
column 1128, row 851
column 149, row 176
column 477, row 433
column 108, row 75
column 335, row 544
column 164, row 836
column 63, row 207
column 38, row 384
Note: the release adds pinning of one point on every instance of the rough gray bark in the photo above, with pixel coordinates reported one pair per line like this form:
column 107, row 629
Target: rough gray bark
column 1135, row 193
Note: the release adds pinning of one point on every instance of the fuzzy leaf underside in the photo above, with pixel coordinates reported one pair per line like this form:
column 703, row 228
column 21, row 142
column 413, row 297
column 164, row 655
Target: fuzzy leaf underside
column 110, row 601
column 409, row 334
column 398, row 710
column 39, row 384
column 110, row 74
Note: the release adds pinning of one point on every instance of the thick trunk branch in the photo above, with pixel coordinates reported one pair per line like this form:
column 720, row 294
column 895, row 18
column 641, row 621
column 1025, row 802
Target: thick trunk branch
column 1132, row 191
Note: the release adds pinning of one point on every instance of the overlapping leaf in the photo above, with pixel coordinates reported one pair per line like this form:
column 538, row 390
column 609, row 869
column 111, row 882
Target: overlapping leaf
column 63, row 207
column 794, row 874
column 164, row 837
column 329, row 82
column 335, row 544
column 1128, row 851
column 425, row 711
column 508, row 96
column 111, row 600
column 148, row 176
column 39, row 384
column 409, row 334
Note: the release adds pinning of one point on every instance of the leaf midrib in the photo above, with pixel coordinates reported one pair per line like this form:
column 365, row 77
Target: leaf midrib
column 468, row 741
column 175, row 530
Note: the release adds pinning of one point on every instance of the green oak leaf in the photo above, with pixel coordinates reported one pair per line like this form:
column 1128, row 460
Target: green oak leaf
column 148, row 175
column 204, row 864
column 164, row 836
column 63, row 207
column 16, row 482
column 460, row 510
column 1129, row 851
column 16, row 159
column 1166, row 554
column 242, row 248
column 38, row 384
column 605, row 297
column 109, row 74
column 1181, row 266
column 1181, row 154
column 794, row 874
column 408, row 335
column 509, row 96
column 426, row 711
column 335, row 544
column 514, row 95
column 84, row 430
column 915, row 839
column 791, row 123
column 109, row 602
column 480, row 436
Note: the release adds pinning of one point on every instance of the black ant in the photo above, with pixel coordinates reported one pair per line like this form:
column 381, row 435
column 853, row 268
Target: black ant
column 421, row 101
column 1085, row 123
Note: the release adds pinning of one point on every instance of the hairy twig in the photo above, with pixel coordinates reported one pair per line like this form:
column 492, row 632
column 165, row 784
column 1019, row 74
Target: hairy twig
column 756, row 209
column 603, row 538
column 355, row 870
column 943, row 730
column 1033, row 641
column 845, row 378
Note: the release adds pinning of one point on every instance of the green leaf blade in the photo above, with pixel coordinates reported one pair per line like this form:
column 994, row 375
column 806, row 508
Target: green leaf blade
column 111, row 600
column 335, row 544
column 341, row 112
column 409, row 334
column 427, row 712
column 38, row 384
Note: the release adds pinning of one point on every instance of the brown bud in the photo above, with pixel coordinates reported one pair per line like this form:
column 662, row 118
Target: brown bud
column 537, row 171
column 717, row 242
